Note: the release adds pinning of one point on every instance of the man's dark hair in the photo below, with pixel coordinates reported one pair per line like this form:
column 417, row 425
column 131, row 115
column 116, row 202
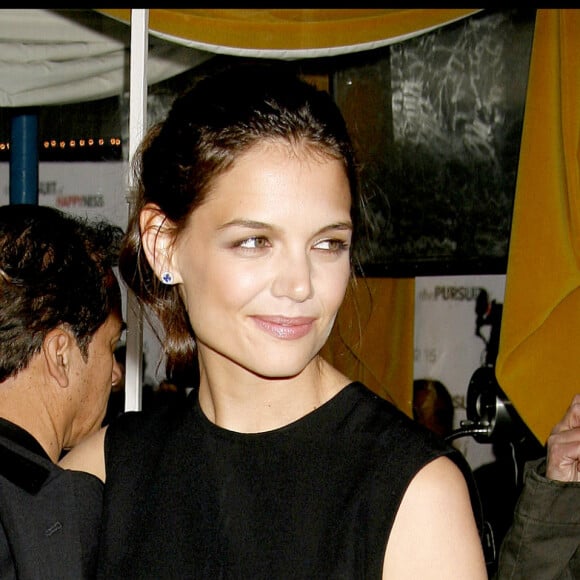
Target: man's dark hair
column 55, row 270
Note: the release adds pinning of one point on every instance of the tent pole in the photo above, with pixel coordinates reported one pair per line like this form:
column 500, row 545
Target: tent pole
column 137, row 125
column 24, row 158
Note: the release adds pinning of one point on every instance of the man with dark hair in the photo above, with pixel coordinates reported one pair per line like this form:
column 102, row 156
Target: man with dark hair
column 60, row 321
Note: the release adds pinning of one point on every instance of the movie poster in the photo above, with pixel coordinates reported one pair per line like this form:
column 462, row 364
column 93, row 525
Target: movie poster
column 450, row 342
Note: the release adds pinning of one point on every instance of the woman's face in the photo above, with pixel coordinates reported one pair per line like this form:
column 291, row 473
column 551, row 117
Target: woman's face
column 264, row 262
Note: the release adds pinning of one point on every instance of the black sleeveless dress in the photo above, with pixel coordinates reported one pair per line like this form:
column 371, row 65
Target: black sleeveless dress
column 313, row 500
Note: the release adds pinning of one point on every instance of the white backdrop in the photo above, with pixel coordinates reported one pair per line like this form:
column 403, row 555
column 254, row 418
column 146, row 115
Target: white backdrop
column 91, row 189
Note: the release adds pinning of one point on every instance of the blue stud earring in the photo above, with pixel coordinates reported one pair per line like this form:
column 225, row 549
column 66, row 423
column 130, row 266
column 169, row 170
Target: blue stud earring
column 167, row 278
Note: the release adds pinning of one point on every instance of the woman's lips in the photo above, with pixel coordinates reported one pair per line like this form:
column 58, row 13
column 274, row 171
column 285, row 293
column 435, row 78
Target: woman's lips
column 284, row 328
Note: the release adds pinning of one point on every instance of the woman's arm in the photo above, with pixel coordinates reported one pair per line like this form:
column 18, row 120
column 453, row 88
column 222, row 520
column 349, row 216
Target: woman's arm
column 88, row 455
column 434, row 535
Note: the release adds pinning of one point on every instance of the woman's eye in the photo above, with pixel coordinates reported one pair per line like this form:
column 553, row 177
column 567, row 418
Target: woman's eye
column 253, row 243
column 332, row 245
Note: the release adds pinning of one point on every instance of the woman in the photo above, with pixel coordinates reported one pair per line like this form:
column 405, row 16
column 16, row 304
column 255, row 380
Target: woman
column 279, row 466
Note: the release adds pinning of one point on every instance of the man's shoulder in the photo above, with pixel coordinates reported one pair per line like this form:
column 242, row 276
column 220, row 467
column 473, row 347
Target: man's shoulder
column 22, row 466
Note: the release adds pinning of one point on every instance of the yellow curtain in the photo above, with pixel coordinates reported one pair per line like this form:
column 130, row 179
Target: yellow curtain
column 372, row 340
column 538, row 364
column 291, row 29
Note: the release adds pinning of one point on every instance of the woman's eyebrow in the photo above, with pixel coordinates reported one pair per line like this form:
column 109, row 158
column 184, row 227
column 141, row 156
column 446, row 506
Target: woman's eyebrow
column 256, row 225
column 337, row 226
column 251, row 224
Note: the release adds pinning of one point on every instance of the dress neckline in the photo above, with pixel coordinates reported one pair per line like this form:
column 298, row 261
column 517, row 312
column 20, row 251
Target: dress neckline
column 311, row 419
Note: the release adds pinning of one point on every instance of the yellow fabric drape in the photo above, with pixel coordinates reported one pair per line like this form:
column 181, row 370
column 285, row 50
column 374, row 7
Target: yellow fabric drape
column 291, row 29
column 538, row 365
column 372, row 339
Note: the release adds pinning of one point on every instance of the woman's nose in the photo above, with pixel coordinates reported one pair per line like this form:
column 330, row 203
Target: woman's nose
column 293, row 278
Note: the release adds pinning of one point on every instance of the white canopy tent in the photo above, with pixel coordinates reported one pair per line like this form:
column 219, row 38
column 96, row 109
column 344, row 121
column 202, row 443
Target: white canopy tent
column 61, row 56
column 56, row 57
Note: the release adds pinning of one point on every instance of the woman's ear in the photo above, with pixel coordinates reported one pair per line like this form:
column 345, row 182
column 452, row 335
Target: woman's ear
column 158, row 237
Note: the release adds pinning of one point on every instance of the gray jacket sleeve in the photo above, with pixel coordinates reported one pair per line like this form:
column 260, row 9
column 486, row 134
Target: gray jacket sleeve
column 543, row 542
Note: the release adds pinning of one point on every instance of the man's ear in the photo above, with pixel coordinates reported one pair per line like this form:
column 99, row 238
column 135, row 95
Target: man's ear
column 56, row 349
column 157, row 236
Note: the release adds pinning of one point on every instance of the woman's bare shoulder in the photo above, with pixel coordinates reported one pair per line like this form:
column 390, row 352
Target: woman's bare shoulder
column 88, row 455
column 434, row 534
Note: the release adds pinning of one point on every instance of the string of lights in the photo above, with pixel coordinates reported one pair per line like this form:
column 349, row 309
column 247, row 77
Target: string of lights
column 89, row 148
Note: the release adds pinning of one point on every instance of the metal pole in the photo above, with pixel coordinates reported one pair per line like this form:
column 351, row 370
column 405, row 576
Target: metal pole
column 137, row 125
column 24, row 159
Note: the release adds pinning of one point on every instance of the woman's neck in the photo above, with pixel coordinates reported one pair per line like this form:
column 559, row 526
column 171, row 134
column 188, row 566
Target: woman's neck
column 238, row 400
